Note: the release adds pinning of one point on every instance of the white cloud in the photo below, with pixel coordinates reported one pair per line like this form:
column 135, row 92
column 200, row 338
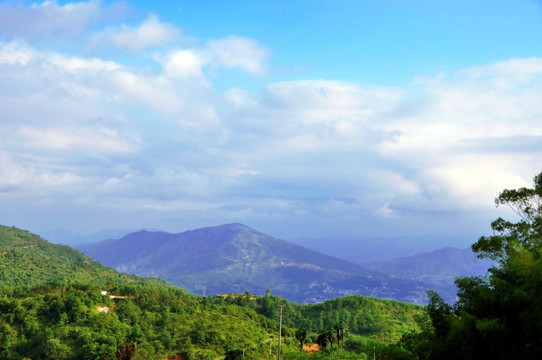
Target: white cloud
column 150, row 33
column 515, row 70
column 394, row 182
column 231, row 52
column 234, row 51
column 385, row 211
column 101, row 140
column 48, row 18
column 15, row 53
column 74, row 64
column 165, row 140
column 459, row 141
column 12, row 175
column 183, row 63
column 21, row 180
column 324, row 102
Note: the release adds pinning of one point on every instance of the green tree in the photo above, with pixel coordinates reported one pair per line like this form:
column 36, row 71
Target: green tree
column 325, row 337
column 340, row 331
column 301, row 335
column 7, row 338
column 500, row 316
column 234, row 354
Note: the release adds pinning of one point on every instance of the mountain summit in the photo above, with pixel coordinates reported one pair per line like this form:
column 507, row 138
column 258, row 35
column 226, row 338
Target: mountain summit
column 236, row 258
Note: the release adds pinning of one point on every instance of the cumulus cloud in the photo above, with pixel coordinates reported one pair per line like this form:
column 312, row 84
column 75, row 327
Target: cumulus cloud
column 385, row 211
column 231, row 52
column 150, row 33
column 183, row 63
column 13, row 175
column 48, row 18
column 465, row 139
column 165, row 140
column 234, row 51
column 324, row 101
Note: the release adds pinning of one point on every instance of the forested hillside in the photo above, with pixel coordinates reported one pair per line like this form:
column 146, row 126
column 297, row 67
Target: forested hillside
column 359, row 314
column 76, row 321
column 93, row 312
column 27, row 259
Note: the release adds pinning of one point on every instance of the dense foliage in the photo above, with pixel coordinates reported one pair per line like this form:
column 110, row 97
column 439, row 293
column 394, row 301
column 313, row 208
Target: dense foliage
column 76, row 321
column 359, row 314
column 27, row 259
column 64, row 320
column 498, row 316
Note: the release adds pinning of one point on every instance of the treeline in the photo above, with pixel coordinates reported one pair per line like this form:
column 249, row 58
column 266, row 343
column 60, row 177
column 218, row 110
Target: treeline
column 499, row 316
column 361, row 315
column 76, row 321
column 27, row 259
column 68, row 320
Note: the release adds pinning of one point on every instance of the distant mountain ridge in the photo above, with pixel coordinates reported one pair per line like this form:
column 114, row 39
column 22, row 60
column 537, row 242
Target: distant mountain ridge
column 366, row 249
column 233, row 257
column 439, row 267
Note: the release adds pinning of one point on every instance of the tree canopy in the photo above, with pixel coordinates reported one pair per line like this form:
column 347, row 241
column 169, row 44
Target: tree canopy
column 498, row 316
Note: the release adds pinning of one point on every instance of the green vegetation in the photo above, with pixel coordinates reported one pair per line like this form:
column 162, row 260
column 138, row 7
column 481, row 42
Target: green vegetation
column 27, row 259
column 52, row 307
column 499, row 316
column 363, row 325
column 359, row 314
column 65, row 320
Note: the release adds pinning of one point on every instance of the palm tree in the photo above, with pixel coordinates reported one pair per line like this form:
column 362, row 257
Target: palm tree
column 301, row 335
column 326, row 337
column 340, row 330
column 322, row 339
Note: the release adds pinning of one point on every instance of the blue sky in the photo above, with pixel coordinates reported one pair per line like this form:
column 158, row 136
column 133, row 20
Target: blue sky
column 298, row 118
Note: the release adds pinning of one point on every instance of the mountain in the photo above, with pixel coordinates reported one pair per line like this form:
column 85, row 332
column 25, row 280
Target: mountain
column 439, row 267
column 72, row 238
column 234, row 258
column 27, row 259
column 363, row 249
column 52, row 306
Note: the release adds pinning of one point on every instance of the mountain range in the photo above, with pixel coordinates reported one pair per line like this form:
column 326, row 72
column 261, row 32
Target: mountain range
column 235, row 258
column 366, row 249
column 439, row 267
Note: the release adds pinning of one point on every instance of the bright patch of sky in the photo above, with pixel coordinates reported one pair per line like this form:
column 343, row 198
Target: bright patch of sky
column 298, row 118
